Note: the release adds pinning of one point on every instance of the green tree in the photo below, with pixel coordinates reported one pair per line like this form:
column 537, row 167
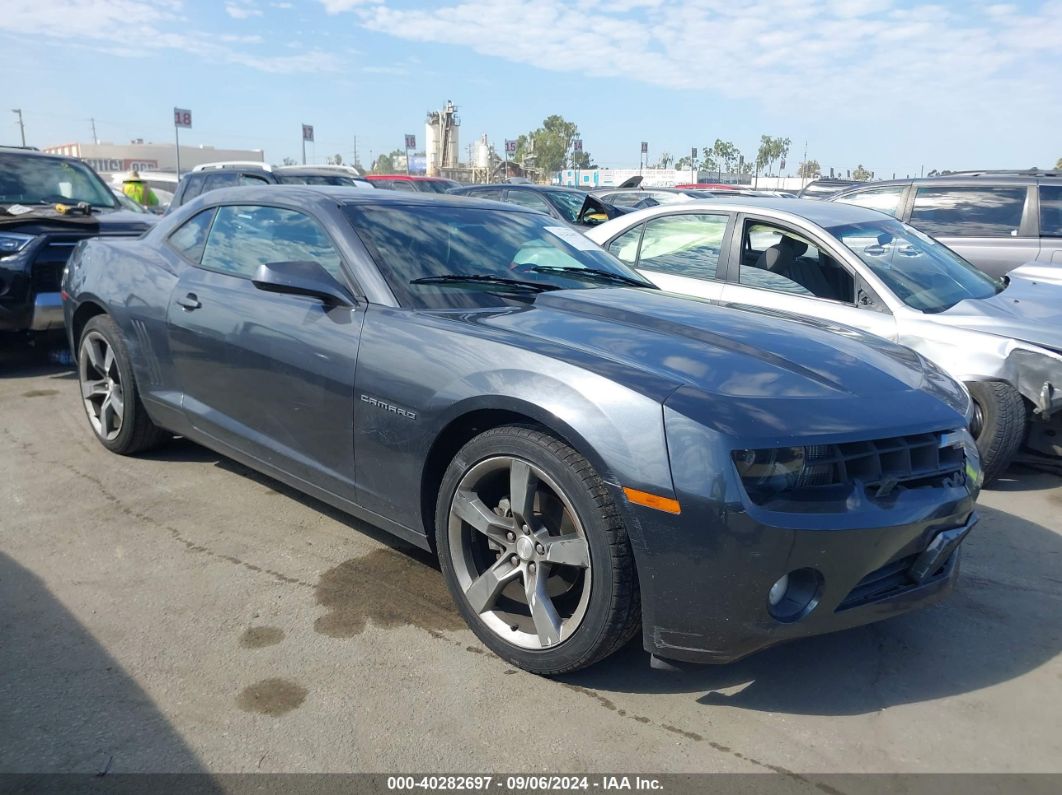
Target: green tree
column 552, row 142
column 861, row 174
column 665, row 161
column 810, row 169
column 582, row 160
column 1058, row 165
column 725, row 155
column 334, row 160
column 771, row 150
column 288, row 161
column 385, row 164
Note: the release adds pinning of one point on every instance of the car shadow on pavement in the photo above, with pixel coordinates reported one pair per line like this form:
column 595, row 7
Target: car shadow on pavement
column 45, row 356
column 1003, row 620
column 68, row 706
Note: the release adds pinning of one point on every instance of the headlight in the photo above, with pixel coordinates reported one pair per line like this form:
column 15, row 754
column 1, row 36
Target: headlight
column 12, row 243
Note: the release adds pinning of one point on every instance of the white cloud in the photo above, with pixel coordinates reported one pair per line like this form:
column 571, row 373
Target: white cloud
column 858, row 56
column 242, row 9
column 104, row 25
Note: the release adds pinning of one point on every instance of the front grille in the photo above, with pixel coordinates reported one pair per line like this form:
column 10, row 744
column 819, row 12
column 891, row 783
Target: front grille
column 889, row 580
column 47, row 269
column 882, row 465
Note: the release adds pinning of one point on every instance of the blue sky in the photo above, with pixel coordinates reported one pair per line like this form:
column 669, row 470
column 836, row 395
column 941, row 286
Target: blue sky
column 891, row 84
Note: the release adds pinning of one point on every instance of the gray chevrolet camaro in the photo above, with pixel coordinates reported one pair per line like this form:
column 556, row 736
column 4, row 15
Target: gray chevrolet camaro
column 587, row 454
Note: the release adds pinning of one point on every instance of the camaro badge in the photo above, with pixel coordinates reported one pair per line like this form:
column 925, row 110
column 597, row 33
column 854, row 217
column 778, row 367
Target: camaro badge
column 412, row 415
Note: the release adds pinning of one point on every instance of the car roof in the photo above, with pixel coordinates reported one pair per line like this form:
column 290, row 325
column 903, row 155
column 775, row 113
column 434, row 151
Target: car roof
column 320, row 171
column 981, row 178
column 520, row 186
column 332, row 194
column 31, row 152
column 407, row 177
column 825, row 214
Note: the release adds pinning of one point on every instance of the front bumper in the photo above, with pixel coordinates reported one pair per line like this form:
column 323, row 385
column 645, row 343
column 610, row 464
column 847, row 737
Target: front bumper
column 709, row 603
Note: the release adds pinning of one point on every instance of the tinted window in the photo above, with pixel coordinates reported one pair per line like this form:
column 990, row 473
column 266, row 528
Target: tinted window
column 193, row 186
column 399, row 184
column 486, row 193
column 972, row 211
column 242, row 238
column 924, row 274
column 683, row 245
column 568, row 203
column 886, row 200
column 625, row 247
column 411, row 243
column 526, row 198
column 190, row 238
column 1051, row 210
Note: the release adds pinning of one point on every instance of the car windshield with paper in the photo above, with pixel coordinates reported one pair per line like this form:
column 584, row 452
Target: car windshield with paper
column 29, row 181
column 439, row 257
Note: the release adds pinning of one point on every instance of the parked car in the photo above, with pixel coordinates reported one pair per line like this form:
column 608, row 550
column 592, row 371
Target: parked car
column 637, row 198
column 412, row 183
column 996, row 220
column 826, row 187
column 572, row 206
column 211, row 176
column 587, row 454
column 1003, row 339
column 48, row 204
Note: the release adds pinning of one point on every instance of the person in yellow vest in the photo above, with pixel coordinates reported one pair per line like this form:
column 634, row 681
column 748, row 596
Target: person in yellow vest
column 139, row 191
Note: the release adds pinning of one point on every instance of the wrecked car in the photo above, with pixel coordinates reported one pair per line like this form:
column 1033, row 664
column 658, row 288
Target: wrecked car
column 1002, row 338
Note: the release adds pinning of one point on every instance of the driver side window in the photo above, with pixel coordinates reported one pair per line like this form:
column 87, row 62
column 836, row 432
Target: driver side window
column 783, row 260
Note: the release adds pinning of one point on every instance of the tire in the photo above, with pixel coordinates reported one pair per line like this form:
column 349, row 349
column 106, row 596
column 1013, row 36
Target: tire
column 999, row 427
column 574, row 555
column 109, row 392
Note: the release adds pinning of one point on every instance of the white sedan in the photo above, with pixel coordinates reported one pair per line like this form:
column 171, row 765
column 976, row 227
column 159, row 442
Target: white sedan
column 861, row 268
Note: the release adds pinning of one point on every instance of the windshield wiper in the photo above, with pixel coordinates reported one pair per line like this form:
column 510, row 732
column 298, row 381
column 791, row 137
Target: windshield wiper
column 591, row 273
column 478, row 278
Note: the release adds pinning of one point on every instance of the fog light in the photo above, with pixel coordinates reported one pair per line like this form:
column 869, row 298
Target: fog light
column 774, row 596
column 794, row 595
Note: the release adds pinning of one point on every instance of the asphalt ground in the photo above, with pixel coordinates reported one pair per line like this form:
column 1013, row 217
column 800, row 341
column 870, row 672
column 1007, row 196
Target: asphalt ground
column 178, row 612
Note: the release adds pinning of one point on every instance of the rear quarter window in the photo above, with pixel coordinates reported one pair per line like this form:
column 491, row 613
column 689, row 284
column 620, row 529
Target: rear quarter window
column 1051, row 210
column 969, row 211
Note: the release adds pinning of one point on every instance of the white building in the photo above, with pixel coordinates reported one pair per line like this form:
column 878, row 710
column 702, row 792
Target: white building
column 107, row 158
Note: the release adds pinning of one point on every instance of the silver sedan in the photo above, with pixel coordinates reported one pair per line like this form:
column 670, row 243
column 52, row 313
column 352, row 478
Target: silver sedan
column 861, row 268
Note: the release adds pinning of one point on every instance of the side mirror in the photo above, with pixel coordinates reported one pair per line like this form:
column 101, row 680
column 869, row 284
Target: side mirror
column 302, row 278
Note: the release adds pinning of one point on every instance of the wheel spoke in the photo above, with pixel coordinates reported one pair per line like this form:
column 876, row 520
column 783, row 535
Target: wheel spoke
column 484, row 590
column 569, row 550
column 94, row 355
column 106, row 415
column 470, row 508
column 543, row 613
column 108, row 360
column 92, row 389
column 118, row 405
column 522, row 487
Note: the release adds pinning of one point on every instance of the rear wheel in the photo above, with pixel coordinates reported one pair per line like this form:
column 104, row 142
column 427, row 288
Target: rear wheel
column 109, row 392
column 999, row 424
column 534, row 552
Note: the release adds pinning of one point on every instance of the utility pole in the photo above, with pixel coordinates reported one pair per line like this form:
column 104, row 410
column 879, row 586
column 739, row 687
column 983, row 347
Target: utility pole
column 95, row 138
column 21, row 126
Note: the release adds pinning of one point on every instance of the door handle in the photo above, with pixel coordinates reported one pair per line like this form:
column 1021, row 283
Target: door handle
column 189, row 302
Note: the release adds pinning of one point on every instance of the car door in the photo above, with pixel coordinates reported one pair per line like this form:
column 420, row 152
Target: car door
column 1050, row 211
column 988, row 225
column 678, row 252
column 268, row 374
column 809, row 278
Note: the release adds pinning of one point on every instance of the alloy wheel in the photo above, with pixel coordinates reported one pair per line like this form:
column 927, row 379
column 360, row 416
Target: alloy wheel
column 101, row 385
column 520, row 553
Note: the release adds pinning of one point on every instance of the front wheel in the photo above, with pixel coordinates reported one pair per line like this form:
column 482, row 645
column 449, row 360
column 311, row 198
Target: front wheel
column 109, row 392
column 534, row 552
column 999, row 424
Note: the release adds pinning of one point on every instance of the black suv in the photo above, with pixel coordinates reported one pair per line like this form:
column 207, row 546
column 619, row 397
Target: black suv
column 997, row 220
column 48, row 204
column 211, row 176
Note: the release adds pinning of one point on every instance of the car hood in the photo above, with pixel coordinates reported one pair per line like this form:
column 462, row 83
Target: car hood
column 1030, row 310
column 102, row 222
column 718, row 350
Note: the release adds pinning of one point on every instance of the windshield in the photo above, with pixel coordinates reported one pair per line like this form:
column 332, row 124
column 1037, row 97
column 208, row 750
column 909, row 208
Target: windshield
column 28, row 179
column 315, row 179
column 921, row 272
column 567, row 202
column 410, row 243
